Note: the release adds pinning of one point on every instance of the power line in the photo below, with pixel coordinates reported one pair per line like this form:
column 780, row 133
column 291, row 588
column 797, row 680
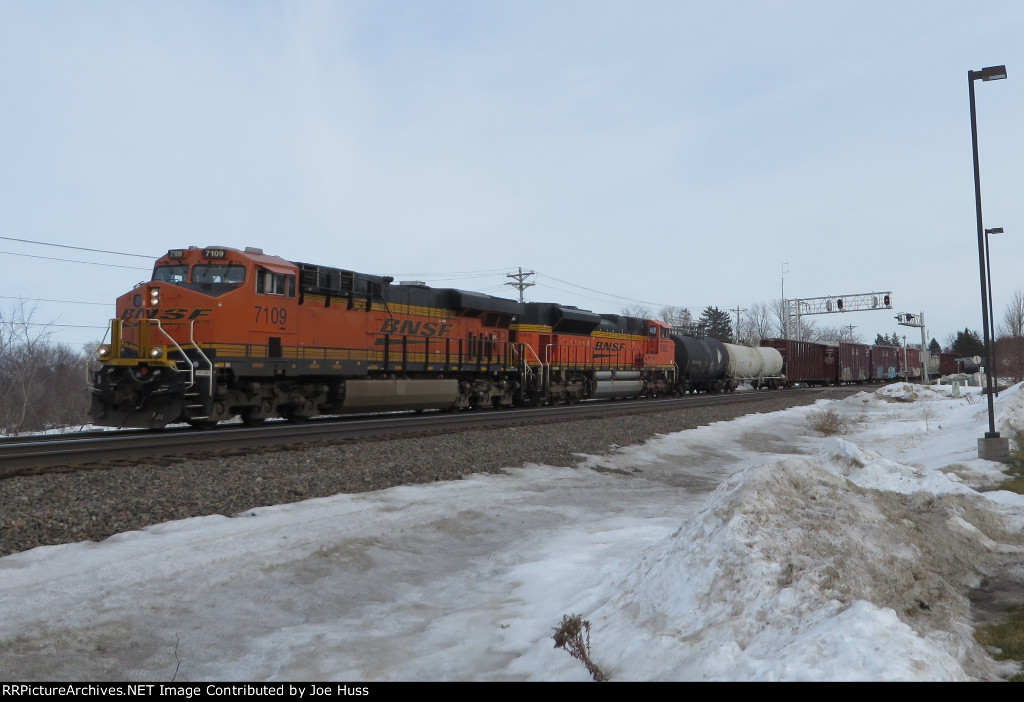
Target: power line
column 43, row 299
column 70, row 260
column 605, row 294
column 79, row 248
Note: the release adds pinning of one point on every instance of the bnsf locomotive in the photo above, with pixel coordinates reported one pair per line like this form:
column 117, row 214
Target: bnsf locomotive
column 218, row 333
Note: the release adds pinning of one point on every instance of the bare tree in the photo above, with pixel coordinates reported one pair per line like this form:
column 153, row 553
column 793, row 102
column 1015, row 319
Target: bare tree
column 676, row 316
column 42, row 384
column 757, row 324
column 1009, row 349
column 637, row 311
column 1013, row 316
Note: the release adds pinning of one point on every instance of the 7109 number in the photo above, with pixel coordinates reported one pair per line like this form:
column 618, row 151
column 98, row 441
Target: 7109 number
column 273, row 315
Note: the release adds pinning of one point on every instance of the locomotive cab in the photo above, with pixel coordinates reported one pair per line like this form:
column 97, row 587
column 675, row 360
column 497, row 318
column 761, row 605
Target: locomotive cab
column 159, row 366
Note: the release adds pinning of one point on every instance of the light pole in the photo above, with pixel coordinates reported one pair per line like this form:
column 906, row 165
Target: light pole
column 992, row 446
column 991, row 310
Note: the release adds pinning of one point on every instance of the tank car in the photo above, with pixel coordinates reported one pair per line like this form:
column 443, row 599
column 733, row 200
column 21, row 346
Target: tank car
column 220, row 332
column 710, row 365
column 761, row 366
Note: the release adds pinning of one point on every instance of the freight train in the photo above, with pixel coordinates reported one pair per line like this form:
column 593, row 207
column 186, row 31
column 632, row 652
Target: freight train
column 843, row 363
column 219, row 333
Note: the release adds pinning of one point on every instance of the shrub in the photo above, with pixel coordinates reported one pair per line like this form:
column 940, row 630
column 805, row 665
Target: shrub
column 573, row 634
column 828, row 422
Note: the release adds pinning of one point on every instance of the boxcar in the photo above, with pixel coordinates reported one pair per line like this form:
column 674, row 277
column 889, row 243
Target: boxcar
column 854, row 362
column 806, row 362
column 885, row 363
column 910, row 366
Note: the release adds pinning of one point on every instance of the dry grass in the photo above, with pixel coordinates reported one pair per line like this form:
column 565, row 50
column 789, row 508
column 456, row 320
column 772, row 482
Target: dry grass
column 1005, row 640
column 827, row 422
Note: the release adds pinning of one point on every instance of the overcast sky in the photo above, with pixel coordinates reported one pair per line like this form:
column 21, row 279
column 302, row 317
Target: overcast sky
column 630, row 153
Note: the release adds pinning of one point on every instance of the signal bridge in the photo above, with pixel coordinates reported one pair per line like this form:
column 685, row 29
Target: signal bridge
column 832, row 304
column 841, row 303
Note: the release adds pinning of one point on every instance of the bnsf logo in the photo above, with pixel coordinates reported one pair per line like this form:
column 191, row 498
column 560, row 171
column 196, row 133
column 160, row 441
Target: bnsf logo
column 610, row 346
column 410, row 328
column 169, row 314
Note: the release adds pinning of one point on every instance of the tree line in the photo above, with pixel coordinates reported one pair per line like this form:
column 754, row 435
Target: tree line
column 43, row 384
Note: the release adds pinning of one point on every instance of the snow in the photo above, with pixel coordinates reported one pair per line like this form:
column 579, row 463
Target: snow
column 751, row 550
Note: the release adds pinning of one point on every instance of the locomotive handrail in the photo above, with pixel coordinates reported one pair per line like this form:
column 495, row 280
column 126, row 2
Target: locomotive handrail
column 191, row 369
column 209, row 363
column 528, row 371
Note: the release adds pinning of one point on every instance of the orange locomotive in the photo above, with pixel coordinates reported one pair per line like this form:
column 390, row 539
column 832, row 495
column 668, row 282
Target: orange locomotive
column 219, row 333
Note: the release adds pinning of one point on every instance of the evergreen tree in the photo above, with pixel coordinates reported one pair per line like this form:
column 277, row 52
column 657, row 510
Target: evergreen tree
column 968, row 344
column 718, row 324
column 934, row 347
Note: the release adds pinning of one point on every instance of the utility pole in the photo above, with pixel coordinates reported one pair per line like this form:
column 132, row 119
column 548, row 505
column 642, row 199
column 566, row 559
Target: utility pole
column 785, row 305
column 520, row 281
column 738, row 310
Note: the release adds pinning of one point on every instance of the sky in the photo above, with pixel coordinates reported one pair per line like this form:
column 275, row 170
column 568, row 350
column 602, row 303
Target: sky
column 630, row 154
column 751, row 550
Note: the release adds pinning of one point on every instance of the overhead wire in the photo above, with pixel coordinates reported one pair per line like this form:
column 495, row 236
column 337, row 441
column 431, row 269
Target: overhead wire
column 71, row 260
column 79, row 248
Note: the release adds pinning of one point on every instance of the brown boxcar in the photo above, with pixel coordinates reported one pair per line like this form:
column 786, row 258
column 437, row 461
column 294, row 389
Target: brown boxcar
column 948, row 363
column 806, row 362
column 885, row 363
column 854, row 362
column 910, row 363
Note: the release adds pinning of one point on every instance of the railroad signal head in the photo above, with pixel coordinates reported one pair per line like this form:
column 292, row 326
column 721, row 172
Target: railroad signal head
column 887, row 301
column 839, row 303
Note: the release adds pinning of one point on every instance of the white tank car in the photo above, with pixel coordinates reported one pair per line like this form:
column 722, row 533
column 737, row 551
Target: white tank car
column 758, row 364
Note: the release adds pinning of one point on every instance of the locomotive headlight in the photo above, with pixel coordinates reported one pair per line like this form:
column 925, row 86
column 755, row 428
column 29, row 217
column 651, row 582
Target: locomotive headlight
column 156, row 352
column 103, row 352
column 154, row 297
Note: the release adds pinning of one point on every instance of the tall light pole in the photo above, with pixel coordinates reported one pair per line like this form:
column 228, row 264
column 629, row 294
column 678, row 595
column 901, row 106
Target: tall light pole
column 991, row 309
column 992, row 446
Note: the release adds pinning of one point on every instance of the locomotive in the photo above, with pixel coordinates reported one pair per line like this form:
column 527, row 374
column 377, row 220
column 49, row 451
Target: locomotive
column 220, row 332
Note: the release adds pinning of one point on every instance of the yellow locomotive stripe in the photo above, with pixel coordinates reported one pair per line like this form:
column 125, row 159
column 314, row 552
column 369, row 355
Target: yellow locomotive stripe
column 536, row 328
column 393, row 308
column 617, row 335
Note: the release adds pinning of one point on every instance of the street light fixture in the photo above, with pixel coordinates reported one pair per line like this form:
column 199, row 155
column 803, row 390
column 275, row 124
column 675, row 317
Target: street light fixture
column 991, row 309
column 992, row 446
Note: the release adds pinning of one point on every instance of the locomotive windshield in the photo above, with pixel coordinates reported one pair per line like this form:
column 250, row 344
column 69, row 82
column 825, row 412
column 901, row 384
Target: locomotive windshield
column 170, row 274
column 218, row 273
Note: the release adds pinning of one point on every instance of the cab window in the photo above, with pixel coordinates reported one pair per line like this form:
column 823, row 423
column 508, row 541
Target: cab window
column 171, row 274
column 218, row 273
column 270, row 283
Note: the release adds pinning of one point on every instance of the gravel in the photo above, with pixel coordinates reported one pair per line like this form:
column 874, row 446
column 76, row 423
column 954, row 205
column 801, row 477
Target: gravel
column 94, row 504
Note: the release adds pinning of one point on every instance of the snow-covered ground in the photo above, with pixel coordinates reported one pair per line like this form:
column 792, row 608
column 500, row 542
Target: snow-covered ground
column 756, row 549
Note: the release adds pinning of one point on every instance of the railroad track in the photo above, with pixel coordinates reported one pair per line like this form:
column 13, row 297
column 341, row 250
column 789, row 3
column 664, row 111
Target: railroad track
column 35, row 454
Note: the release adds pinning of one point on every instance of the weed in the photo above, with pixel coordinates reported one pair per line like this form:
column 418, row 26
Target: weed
column 1016, row 462
column 828, row 422
column 927, row 413
column 574, row 636
column 1006, row 639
